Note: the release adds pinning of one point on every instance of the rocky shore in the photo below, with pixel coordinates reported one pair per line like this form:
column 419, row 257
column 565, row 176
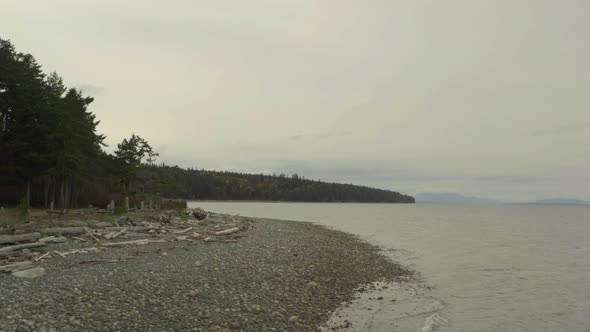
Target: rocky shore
column 275, row 276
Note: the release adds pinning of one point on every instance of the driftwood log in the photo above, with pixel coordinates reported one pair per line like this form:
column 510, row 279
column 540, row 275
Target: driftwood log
column 4, row 239
column 119, row 244
column 228, row 231
column 114, row 235
column 16, row 266
column 64, row 230
column 9, row 249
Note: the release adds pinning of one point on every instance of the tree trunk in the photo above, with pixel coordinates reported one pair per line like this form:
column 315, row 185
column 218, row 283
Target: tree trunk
column 67, row 195
column 28, row 194
column 62, row 194
column 46, row 188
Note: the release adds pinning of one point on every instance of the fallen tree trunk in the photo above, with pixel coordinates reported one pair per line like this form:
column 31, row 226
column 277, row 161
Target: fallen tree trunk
column 19, row 238
column 64, row 230
column 21, row 246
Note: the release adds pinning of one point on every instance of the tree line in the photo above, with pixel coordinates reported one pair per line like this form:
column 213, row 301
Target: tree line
column 176, row 182
column 50, row 151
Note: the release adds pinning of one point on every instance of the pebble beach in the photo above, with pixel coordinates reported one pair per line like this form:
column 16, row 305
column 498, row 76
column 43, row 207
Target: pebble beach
column 279, row 276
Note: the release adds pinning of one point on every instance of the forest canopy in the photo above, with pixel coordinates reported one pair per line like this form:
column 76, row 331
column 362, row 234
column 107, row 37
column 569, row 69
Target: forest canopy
column 50, row 151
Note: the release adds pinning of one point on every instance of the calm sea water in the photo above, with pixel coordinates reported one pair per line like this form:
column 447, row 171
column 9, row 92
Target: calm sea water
column 497, row 268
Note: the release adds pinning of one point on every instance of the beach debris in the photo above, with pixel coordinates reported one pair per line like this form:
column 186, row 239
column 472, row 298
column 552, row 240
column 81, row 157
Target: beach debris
column 60, row 239
column 228, row 231
column 197, row 213
column 91, row 235
column 125, row 243
column 73, row 223
column 4, row 239
column 173, row 231
column 33, row 273
column 106, row 260
column 21, row 246
column 116, row 234
column 13, row 267
column 47, row 239
column 173, row 225
column 42, row 256
column 103, row 224
column 64, row 230
column 196, row 235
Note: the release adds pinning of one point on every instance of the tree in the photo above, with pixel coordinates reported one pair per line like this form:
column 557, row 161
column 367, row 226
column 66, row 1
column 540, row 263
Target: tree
column 130, row 153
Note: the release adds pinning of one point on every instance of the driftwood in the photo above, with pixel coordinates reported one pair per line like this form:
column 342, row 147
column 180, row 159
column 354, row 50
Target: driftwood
column 42, row 256
column 53, row 239
column 106, row 260
column 19, row 238
column 228, row 231
column 174, row 231
column 18, row 253
column 120, row 244
column 91, row 235
column 73, row 223
column 21, row 246
column 130, row 228
column 114, row 235
column 64, row 212
column 47, row 239
column 16, row 266
column 64, row 230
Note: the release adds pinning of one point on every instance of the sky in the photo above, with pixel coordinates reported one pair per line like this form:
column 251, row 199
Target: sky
column 485, row 98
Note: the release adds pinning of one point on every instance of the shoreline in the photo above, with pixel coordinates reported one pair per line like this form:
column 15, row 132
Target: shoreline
column 283, row 275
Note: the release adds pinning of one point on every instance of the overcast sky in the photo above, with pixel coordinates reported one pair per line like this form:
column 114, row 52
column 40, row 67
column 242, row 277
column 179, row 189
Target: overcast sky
column 487, row 98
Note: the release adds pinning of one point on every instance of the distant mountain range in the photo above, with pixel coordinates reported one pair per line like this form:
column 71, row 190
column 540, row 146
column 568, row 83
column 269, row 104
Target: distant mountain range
column 452, row 198
column 560, row 201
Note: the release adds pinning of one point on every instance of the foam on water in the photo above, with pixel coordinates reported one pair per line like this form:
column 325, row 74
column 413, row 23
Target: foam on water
column 399, row 306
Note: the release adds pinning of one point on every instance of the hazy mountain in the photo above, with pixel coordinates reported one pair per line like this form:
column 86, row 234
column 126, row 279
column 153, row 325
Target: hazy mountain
column 561, row 201
column 451, row 198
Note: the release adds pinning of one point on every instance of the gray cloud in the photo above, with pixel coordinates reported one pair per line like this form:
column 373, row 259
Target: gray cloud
column 89, row 89
column 564, row 129
column 406, row 95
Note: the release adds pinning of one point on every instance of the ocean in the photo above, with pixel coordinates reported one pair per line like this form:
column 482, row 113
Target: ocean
column 490, row 267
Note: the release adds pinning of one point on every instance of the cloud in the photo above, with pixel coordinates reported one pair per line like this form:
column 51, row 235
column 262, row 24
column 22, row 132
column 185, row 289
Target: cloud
column 563, row 129
column 89, row 88
column 323, row 135
column 295, row 137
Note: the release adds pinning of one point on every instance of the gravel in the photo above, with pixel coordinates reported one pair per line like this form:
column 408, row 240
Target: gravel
column 283, row 276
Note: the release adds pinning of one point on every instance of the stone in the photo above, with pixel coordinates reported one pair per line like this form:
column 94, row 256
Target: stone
column 30, row 273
